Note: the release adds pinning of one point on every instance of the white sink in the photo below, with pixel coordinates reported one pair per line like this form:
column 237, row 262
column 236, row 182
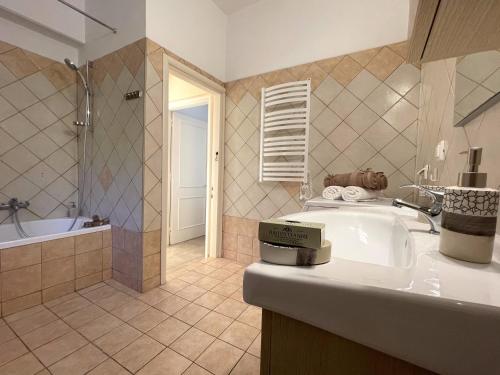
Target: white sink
column 368, row 237
column 388, row 287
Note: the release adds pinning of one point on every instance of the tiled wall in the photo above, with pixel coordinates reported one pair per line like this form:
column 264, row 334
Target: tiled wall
column 364, row 109
column 363, row 114
column 38, row 146
column 37, row 273
column 436, row 123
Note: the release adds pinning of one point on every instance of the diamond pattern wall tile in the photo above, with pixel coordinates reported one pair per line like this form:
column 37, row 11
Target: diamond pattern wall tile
column 401, row 115
column 18, row 95
column 347, row 129
column 6, row 109
column 39, row 85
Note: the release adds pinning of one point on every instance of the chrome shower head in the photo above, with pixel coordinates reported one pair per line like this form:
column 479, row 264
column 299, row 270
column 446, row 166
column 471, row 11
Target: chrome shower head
column 70, row 64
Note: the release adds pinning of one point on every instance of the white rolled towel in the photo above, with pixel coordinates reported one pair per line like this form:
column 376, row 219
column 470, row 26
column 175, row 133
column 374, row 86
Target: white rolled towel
column 333, row 192
column 359, row 194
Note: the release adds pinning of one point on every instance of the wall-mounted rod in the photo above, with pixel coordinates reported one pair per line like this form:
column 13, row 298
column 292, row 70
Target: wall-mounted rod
column 88, row 16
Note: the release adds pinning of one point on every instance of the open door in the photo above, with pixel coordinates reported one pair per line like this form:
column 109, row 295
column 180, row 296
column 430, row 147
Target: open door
column 189, row 178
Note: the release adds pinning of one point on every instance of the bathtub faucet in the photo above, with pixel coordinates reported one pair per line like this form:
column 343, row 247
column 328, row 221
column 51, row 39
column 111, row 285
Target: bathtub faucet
column 14, row 205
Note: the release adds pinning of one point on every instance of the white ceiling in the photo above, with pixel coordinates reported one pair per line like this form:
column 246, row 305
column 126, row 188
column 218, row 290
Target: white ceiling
column 232, row 6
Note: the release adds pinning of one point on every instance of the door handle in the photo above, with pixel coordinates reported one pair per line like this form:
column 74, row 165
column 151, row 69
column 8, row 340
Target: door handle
column 217, row 156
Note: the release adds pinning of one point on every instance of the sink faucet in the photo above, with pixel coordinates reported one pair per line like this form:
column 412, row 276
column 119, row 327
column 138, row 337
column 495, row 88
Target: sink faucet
column 428, row 212
column 14, row 205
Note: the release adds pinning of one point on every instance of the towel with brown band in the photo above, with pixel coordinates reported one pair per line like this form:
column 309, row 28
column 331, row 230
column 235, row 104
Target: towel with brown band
column 367, row 179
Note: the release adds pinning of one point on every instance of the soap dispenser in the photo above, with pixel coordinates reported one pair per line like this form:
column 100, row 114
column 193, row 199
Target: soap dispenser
column 469, row 215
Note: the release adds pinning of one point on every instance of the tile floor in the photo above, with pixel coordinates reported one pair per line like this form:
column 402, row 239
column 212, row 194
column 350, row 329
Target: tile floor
column 197, row 323
column 184, row 252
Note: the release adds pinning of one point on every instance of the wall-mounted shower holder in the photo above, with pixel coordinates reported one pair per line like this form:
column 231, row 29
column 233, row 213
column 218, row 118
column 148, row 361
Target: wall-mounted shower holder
column 133, row 95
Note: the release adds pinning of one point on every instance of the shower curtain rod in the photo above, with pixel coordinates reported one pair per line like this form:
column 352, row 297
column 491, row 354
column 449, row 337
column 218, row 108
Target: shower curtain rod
column 88, row 16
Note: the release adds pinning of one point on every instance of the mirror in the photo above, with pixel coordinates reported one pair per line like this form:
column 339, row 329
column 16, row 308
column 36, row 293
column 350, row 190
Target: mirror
column 477, row 85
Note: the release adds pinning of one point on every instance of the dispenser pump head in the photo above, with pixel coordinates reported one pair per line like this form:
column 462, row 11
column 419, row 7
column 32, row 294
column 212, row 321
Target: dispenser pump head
column 472, row 177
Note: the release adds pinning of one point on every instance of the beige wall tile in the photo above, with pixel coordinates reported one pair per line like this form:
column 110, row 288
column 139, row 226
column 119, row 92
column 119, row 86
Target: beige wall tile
column 20, row 256
column 151, row 266
column 59, row 248
column 22, row 281
column 107, row 238
column 88, row 263
column 88, row 242
column 107, row 258
column 107, row 274
column 151, row 242
column 18, row 304
column 58, row 271
column 86, row 281
column 57, row 291
column 245, row 244
column 229, row 241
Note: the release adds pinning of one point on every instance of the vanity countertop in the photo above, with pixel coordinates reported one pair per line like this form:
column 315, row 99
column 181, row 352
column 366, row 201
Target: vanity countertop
column 436, row 312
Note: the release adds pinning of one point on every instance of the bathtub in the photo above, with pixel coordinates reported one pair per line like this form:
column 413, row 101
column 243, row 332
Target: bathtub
column 44, row 230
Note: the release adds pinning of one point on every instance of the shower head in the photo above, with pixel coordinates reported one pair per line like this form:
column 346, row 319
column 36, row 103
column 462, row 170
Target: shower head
column 70, row 64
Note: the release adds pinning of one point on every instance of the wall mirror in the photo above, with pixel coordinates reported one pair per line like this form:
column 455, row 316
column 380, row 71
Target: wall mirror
column 477, row 85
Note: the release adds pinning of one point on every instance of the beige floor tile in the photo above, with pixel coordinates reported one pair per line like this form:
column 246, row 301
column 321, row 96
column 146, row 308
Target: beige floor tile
column 167, row 362
column 238, row 295
column 130, row 309
column 109, row 367
column 194, row 369
column 236, row 279
column 79, row 362
column 252, row 316
column 137, row 354
column 173, row 286
column 24, row 313
column 225, row 289
column 214, row 323
column 122, row 288
column 210, row 300
column 70, row 306
column 117, row 339
column 239, row 334
column 231, row 308
column 207, row 282
column 45, row 334
column 11, row 350
column 59, row 348
column 221, row 274
column 191, row 292
column 254, row 349
column 168, row 331
column 24, row 365
column 233, row 267
column 6, row 333
column 220, row 357
column 154, row 296
column 99, row 326
column 191, row 277
column 192, row 313
column 91, row 288
column 84, row 316
column 114, row 301
column 43, row 372
column 148, row 319
column 192, row 343
column 99, row 293
column 32, row 322
column 247, row 365
column 172, row 304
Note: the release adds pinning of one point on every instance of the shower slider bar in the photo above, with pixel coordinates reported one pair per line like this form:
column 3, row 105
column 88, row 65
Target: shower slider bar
column 114, row 30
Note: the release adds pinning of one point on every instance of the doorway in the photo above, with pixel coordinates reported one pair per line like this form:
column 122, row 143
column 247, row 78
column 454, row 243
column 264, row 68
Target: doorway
column 193, row 133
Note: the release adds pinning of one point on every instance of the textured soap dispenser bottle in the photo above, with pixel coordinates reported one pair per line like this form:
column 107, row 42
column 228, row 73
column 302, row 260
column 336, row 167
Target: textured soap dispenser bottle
column 469, row 215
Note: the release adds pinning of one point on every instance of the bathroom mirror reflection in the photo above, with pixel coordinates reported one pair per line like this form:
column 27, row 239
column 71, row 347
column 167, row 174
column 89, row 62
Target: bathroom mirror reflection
column 476, row 84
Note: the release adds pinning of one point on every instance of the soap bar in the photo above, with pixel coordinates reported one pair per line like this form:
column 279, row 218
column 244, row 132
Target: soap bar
column 292, row 233
column 295, row 255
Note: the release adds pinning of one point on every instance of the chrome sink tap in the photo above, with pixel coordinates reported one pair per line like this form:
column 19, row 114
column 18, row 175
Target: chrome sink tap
column 428, row 212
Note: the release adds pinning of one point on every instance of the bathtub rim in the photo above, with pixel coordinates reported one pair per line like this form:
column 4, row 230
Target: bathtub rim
column 53, row 236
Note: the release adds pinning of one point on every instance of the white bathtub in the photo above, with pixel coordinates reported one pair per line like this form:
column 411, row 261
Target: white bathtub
column 44, row 230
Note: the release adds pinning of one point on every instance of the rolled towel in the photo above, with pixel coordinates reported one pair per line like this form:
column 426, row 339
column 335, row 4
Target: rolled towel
column 333, row 192
column 367, row 179
column 359, row 194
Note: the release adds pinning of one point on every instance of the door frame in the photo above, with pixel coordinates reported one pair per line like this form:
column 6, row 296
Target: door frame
column 173, row 107
column 215, row 158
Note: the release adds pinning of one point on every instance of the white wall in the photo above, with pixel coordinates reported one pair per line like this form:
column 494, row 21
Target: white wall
column 275, row 34
column 52, row 15
column 192, row 29
column 128, row 16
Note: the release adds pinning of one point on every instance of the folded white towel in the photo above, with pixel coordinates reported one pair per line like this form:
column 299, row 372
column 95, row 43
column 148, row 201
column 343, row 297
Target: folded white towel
column 333, row 192
column 357, row 194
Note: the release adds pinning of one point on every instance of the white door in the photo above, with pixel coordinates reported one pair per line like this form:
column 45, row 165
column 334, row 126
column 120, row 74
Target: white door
column 189, row 178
